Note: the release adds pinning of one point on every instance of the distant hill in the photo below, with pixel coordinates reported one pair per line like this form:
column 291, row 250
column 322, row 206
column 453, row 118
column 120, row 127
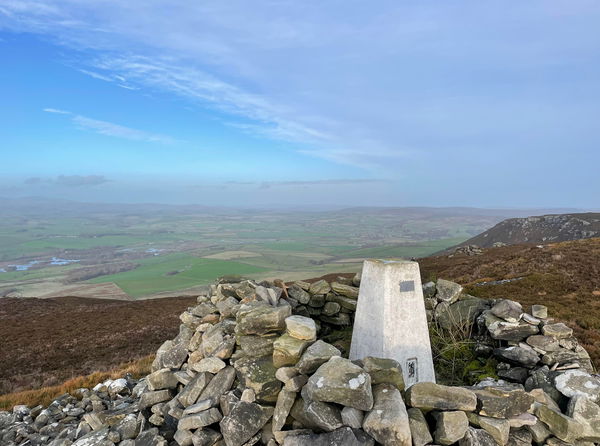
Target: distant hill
column 539, row 230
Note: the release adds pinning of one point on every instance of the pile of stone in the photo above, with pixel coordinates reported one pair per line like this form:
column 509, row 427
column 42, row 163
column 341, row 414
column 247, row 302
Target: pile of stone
column 470, row 250
column 105, row 415
column 250, row 366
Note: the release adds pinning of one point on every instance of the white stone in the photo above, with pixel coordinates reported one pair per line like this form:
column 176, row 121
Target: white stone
column 390, row 319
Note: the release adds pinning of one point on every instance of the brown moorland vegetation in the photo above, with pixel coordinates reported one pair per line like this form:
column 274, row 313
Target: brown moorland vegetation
column 45, row 395
column 45, row 342
column 563, row 276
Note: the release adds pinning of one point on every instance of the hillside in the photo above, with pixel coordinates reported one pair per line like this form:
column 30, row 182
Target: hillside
column 564, row 276
column 541, row 229
column 47, row 341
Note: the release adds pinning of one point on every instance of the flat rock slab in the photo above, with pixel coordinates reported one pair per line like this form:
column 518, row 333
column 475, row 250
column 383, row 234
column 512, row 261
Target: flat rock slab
column 429, row 396
column 343, row 382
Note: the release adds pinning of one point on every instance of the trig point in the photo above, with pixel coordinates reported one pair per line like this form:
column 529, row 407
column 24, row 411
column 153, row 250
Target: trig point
column 390, row 318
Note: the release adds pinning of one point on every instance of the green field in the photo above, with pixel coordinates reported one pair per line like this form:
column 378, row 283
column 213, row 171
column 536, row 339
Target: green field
column 163, row 249
column 152, row 274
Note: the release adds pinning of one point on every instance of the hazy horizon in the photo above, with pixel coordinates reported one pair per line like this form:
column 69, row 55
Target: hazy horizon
column 279, row 103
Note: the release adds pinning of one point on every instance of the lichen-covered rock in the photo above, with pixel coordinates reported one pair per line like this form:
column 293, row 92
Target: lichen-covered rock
column 388, row 421
column 526, row 357
column 383, row 370
column 498, row 428
column 587, row 413
column 259, row 318
column 448, row 291
column 301, row 327
column 323, row 416
column 320, row 287
column 285, row 401
column 429, row 396
column 577, row 382
column 258, row 374
column 287, row 350
column 317, row 354
column 162, row 379
column 243, row 422
column 450, row 427
column 557, row 331
column 343, row 436
column 508, row 331
column 460, row 314
column 509, row 310
column 419, row 428
column 345, row 290
column 477, row 437
column 562, row 426
column 342, row 382
column 499, row 402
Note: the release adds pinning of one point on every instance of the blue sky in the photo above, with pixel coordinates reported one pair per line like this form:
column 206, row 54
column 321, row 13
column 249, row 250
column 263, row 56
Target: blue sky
column 237, row 103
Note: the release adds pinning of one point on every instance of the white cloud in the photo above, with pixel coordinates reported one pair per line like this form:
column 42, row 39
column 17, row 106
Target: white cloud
column 57, row 111
column 346, row 81
column 112, row 129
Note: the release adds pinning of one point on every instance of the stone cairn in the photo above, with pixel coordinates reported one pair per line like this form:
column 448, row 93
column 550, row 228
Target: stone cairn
column 250, row 366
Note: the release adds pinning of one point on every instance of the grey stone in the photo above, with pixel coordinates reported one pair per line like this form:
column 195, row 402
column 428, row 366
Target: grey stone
column 450, row 427
column 287, row 350
column 507, row 331
column 256, row 346
column 562, row 426
column 418, row 427
column 285, row 401
column 388, row 422
column 539, row 432
column 383, row 371
column 259, row 318
column 343, row 436
column 543, row 343
column 200, row 419
column 539, row 311
column 171, row 355
column 210, row 365
column 428, row 396
column 315, row 355
column 557, row 331
column 162, row 379
column 319, row 287
column 587, row 413
column 323, row 416
column 331, row 308
column 301, row 327
column 200, row 406
column 477, row 437
column 448, row 291
column 342, row 382
column 345, row 290
column 498, row 428
column 296, row 383
column 460, row 314
column 508, row 310
column 218, row 385
column 519, row 437
column 352, row 417
column 578, row 382
column 299, row 294
column 183, row 437
column 517, row 355
column 190, row 393
column 153, row 397
column 258, row 374
column 243, row 422
column 502, row 403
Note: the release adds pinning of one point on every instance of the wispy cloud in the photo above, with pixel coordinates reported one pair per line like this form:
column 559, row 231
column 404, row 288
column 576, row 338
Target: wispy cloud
column 309, row 183
column 112, row 129
column 57, row 111
column 69, row 180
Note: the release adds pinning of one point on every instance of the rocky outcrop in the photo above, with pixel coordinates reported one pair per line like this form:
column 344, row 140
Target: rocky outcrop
column 252, row 365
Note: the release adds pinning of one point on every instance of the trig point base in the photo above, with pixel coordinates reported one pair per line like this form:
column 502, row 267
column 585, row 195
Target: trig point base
column 390, row 319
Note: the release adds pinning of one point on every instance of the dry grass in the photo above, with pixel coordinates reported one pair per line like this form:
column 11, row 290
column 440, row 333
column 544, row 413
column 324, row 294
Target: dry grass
column 563, row 276
column 45, row 342
column 46, row 395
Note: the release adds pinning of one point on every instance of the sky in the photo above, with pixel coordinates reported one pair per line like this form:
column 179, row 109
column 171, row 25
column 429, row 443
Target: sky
column 277, row 102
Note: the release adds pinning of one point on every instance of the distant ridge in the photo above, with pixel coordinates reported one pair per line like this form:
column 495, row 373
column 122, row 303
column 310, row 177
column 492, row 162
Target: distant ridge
column 539, row 230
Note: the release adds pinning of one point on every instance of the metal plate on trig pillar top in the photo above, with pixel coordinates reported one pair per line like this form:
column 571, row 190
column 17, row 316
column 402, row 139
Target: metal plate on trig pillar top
column 390, row 319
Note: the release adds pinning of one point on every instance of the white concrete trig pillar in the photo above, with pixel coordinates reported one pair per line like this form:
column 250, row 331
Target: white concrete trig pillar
column 390, row 319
